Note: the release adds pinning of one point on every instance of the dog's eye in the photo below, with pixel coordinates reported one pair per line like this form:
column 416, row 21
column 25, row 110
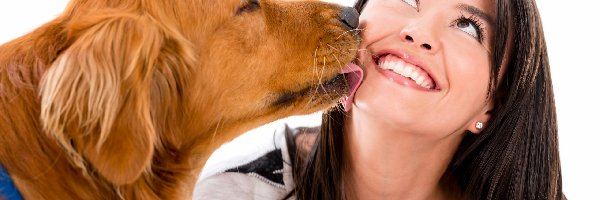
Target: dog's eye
column 250, row 6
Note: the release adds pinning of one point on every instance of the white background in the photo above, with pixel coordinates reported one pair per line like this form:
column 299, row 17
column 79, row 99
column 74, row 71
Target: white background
column 571, row 29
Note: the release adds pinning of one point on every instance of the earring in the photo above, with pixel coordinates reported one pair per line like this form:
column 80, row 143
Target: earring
column 479, row 125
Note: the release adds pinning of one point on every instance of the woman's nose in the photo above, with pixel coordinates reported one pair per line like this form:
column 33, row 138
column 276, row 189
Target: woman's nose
column 420, row 38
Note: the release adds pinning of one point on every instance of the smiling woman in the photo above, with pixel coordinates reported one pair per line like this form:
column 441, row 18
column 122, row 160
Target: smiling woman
column 456, row 103
column 453, row 106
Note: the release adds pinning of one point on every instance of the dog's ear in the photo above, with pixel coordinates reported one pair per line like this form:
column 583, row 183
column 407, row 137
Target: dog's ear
column 99, row 97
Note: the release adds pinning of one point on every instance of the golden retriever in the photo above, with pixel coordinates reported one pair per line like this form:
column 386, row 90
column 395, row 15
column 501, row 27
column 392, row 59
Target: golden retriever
column 126, row 99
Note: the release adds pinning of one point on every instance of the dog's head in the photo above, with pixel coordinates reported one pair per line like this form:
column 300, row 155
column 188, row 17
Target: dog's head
column 138, row 72
column 272, row 58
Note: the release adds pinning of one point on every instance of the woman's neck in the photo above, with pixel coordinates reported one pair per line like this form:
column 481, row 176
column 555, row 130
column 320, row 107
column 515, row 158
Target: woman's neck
column 391, row 164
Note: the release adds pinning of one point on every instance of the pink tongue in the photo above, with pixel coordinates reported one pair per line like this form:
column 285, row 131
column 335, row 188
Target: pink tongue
column 354, row 76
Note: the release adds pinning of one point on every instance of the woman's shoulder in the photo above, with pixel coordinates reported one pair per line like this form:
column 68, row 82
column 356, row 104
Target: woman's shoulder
column 254, row 165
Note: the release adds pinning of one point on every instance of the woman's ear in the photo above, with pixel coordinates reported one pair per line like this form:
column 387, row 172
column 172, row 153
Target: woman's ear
column 480, row 121
column 97, row 97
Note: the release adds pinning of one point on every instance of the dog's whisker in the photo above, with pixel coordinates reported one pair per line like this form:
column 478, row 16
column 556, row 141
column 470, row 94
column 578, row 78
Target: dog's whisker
column 358, row 50
column 320, row 78
column 345, row 52
column 339, row 51
column 315, row 61
column 340, row 65
column 332, row 47
column 315, row 72
column 348, row 31
column 313, row 93
column 322, row 74
column 358, row 31
column 311, row 99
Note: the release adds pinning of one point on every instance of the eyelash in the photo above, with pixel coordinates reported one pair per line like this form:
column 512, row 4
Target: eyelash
column 476, row 22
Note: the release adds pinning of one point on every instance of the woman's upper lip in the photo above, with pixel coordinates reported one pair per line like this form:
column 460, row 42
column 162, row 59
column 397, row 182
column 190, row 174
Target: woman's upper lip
column 408, row 58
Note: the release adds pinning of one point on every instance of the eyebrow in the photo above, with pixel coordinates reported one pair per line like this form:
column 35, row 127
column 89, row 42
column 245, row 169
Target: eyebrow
column 476, row 11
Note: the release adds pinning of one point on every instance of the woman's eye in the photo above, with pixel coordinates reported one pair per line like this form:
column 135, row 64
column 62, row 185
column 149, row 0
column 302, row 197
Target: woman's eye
column 470, row 27
column 413, row 3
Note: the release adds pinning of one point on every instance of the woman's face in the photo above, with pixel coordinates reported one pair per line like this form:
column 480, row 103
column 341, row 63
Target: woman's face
column 427, row 64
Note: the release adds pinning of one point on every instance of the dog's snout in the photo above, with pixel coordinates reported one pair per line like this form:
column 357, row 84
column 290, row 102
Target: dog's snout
column 349, row 17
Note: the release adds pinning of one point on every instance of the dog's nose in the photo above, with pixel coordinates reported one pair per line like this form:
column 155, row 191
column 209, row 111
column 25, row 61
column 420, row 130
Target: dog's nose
column 349, row 17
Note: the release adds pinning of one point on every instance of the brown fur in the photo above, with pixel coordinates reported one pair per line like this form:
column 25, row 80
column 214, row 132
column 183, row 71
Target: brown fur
column 125, row 99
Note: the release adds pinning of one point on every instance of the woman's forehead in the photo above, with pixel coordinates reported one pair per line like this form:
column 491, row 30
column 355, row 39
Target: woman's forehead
column 488, row 6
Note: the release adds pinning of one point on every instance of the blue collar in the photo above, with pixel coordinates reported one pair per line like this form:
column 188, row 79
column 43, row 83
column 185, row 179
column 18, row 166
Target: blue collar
column 8, row 191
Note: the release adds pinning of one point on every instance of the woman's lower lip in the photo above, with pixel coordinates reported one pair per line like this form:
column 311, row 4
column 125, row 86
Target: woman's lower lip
column 401, row 80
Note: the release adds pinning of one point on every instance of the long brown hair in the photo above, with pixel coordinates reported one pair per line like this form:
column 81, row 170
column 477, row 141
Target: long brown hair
column 515, row 157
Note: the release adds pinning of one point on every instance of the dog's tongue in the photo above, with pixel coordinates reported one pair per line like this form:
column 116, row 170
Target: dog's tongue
column 354, row 76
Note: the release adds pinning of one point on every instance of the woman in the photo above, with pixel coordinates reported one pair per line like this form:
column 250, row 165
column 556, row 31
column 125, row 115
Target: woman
column 456, row 103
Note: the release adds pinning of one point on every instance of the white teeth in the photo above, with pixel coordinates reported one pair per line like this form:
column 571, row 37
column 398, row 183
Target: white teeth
column 425, row 85
column 394, row 66
column 414, row 75
column 398, row 67
column 420, row 80
column 386, row 64
column 406, row 70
